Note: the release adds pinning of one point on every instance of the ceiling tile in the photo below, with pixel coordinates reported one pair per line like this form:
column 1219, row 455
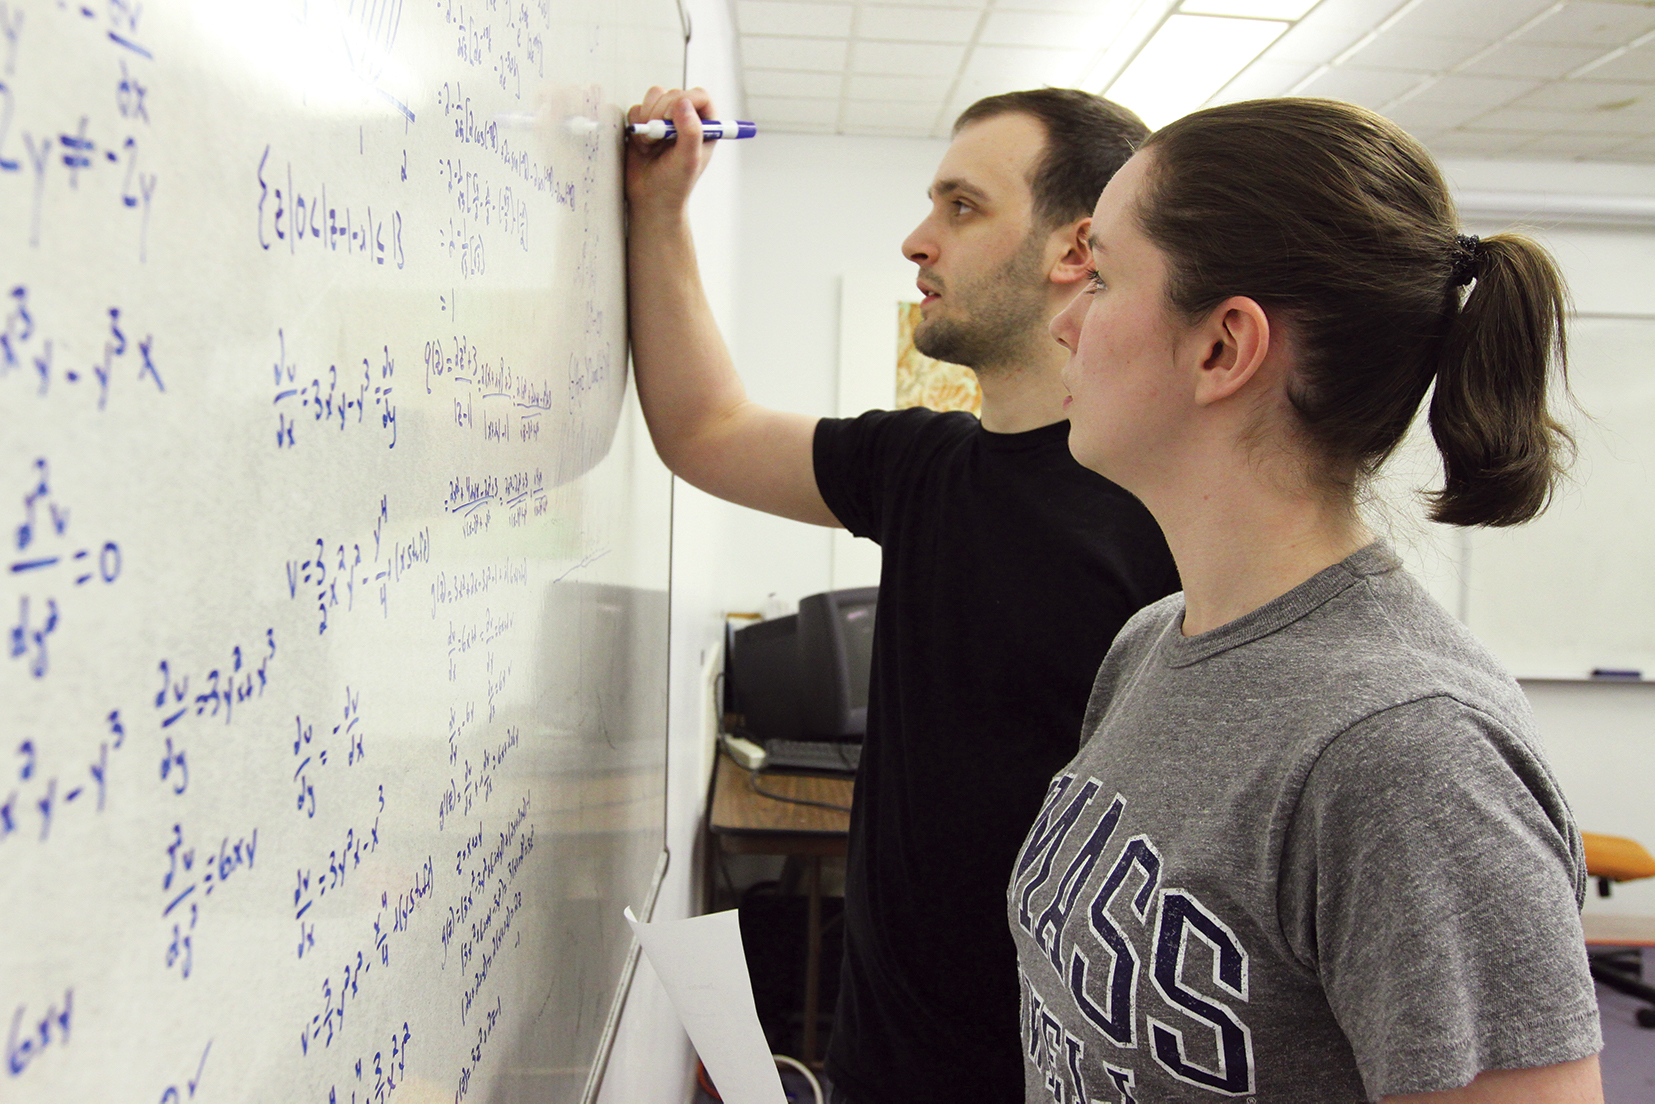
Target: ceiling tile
column 1587, row 23
column 996, row 69
column 910, row 65
column 1264, row 78
column 1461, row 90
column 1642, row 150
column 910, row 116
column 1024, row 67
column 1469, row 18
column 1320, row 36
column 862, row 86
column 1594, row 96
column 1636, row 64
column 1478, row 143
column 1424, row 137
column 1532, row 59
column 917, row 24
column 811, row 54
column 1562, row 122
column 1419, row 113
column 778, row 109
column 1369, row 87
column 906, row 59
column 784, row 17
column 791, row 82
column 894, row 132
column 1575, row 146
column 1024, row 28
column 1088, row 8
column 1426, row 55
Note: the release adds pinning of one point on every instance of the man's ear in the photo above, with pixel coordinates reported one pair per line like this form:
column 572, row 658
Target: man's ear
column 1070, row 248
column 1233, row 344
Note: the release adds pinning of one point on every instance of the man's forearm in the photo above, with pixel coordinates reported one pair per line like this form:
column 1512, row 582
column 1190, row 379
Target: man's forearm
column 687, row 384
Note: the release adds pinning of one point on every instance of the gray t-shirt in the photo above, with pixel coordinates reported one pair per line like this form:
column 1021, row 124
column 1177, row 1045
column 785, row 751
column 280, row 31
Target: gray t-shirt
column 1313, row 855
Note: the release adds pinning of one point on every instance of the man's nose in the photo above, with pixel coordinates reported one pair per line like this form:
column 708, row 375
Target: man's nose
column 917, row 247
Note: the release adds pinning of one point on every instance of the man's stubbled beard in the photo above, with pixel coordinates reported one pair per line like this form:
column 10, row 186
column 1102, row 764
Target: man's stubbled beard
column 1000, row 310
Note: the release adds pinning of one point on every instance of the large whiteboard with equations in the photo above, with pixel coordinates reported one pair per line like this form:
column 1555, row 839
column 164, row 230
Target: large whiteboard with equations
column 333, row 595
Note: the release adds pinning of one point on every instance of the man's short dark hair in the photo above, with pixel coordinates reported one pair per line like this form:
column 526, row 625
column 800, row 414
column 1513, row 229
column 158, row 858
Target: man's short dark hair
column 1088, row 138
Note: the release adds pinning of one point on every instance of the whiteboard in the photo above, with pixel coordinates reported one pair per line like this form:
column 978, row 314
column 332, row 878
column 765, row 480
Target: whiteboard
column 1574, row 590
column 334, row 598
column 1571, row 591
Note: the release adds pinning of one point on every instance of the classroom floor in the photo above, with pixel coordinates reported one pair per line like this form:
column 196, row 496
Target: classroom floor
column 1628, row 1057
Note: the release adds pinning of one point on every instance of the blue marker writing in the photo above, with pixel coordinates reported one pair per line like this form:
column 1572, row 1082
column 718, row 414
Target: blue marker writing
column 659, row 130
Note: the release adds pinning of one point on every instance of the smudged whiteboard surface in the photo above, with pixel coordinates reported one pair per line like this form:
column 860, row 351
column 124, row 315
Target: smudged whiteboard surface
column 333, row 600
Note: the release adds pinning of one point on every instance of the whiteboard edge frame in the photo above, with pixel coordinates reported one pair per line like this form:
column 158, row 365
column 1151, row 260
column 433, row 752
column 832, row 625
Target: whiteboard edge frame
column 611, row 1026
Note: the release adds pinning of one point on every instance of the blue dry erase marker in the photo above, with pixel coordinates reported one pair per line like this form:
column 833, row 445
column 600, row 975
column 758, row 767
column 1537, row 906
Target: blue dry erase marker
column 660, row 129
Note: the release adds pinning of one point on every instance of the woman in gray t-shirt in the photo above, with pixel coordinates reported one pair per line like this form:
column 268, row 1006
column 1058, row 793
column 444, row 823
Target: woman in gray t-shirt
column 1310, row 849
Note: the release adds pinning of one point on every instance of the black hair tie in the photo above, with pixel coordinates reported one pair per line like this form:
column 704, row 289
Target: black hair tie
column 1468, row 256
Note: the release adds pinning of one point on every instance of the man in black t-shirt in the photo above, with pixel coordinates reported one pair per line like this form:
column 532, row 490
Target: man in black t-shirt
column 1007, row 567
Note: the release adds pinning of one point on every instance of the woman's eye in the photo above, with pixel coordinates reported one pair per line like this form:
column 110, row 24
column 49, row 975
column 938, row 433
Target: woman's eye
column 1094, row 282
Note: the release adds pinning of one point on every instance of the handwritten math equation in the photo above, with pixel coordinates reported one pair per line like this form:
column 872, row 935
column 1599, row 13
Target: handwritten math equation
column 28, row 352
column 486, row 134
column 189, row 869
column 220, row 689
column 295, row 216
column 74, row 153
column 332, row 572
column 335, row 398
column 489, row 886
column 339, row 992
column 46, row 558
column 310, row 754
column 475, row 785
column 377, row 1078
column 491, row 387
column 40, row 796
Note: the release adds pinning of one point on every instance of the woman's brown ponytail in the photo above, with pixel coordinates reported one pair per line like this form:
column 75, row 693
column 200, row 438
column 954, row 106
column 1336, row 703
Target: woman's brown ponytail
column 1502, row 451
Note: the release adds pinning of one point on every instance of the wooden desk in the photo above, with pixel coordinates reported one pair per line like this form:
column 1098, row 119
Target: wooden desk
column 1618, row 931
column 745, row 822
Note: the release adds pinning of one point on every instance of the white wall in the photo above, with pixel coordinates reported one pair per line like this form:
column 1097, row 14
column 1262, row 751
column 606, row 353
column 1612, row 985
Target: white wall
column 816, row 209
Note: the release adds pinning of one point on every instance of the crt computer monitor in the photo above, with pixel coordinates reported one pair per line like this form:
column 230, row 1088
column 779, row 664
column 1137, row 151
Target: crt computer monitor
column 805, row 676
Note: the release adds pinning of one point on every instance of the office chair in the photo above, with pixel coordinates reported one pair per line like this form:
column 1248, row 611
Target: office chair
column 1612, row 859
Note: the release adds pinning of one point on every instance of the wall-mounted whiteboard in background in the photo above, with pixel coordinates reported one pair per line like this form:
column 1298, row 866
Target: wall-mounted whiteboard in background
column 334, row 583
column 1574, row 590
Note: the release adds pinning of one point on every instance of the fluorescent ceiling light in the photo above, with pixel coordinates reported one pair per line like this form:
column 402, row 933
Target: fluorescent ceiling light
column 1250, row 9
column 1188, row 60
column 1123, row 26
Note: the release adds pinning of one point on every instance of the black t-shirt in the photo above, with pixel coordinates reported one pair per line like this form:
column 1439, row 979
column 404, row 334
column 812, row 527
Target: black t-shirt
column 1008, row 568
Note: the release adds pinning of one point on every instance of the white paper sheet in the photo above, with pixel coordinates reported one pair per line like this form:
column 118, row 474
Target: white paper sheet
column 701, row 963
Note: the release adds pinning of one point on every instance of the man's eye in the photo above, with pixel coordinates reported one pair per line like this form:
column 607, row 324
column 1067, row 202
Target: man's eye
column 1094, row 282
column 960, row 206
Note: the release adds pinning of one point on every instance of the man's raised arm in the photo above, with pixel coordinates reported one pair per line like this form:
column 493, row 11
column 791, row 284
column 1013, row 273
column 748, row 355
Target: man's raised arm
column 703, row 425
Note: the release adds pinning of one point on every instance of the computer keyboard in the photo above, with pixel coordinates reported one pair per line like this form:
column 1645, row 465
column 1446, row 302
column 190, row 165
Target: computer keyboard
column 813, row 755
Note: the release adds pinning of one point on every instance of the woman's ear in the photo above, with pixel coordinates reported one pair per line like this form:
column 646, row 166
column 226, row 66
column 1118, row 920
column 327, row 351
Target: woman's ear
column 1234, row 343
column 1073, row 247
